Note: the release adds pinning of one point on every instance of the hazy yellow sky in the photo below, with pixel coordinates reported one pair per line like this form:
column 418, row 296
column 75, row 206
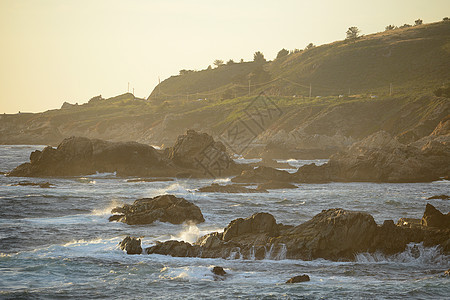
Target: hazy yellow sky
column 62, row 50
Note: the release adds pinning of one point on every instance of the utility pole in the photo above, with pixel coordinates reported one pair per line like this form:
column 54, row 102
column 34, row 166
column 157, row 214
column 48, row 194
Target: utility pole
column 390, row 89
column 310, row 90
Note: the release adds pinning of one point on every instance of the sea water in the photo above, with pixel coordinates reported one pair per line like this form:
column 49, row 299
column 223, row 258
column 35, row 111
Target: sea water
column 58, row 243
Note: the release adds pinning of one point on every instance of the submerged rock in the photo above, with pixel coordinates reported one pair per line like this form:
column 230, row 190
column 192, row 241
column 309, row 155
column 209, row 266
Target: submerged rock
column 44, row 185
column 164, row 208
column 131, row 245
column 231, row 188
column 299, row 278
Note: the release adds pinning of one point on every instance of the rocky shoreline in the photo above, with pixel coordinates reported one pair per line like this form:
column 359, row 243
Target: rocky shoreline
column 334, row 234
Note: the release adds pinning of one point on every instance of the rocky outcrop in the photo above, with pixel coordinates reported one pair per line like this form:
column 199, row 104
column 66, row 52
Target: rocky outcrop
column 272, row 185
column 434, row 218
column 380, row 158
column 194, row 154
column 131, row 245
column 164, row 208
column 334, row 234
column 44, row 185
column 230, row 188
column 299, row 278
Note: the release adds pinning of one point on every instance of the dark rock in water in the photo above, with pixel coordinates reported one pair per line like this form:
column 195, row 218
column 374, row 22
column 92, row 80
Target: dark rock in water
column 299, row 278
column 218, row 271
column 232, row 188
column 271, row 185
column 175, row 249
column 149, row 179
column 333, row 234
column 131, row 245
column 44, row 185
column 194, row 153
column 434, row 218
column 442, row 197
column 115, row 218
column 164, row 208
column 263, row 174
column 381, row 158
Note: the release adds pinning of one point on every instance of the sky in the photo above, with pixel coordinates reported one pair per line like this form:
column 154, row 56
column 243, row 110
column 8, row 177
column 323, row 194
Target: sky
column 72, row 50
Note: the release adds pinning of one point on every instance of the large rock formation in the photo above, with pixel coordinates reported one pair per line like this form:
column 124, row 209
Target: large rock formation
column 131, row 245
column 334, row 234
column 164, row 208
column 75, row 156
column 380, row 158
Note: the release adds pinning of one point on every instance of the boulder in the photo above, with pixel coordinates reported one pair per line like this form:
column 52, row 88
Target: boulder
column 262, row 175
column 434, row 218
column 175, row 249
column 131, row 245
column 231, row 188
column 164, row 208
column 271, row 185
column 332, row 234
column 218, row 271
column 299, row 278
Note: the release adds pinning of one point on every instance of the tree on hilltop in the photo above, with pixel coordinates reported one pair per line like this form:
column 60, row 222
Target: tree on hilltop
column 258, row 57
column 310, row 46
column 390, row 27
column 218, row 62
column 283, row 52
column 353, row 33
column 418, row 22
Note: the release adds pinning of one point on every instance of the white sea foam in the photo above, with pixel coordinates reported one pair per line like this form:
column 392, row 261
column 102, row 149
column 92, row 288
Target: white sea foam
column 191, row 233
column 414, row 253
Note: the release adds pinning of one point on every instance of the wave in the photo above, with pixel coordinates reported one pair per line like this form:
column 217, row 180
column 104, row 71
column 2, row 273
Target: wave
column 106, row 210
column 191, row 233
column 415, row 254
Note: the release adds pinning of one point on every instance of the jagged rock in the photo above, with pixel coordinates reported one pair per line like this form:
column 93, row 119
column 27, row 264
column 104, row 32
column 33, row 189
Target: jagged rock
column 164, row 208
column 263, row 174
column 199, row 151
column 434, row 218
column 231, row 188
column 299, row 278
column 276, row 185
column 442, row 197
column 334, row 234
column 194, row 154
column 131, row 245
column 380, row 158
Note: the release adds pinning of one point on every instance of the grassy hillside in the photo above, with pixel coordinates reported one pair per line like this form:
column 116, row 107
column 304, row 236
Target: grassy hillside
column 414, row 58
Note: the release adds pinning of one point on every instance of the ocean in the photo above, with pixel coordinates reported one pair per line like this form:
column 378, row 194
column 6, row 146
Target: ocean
column 57, row 242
